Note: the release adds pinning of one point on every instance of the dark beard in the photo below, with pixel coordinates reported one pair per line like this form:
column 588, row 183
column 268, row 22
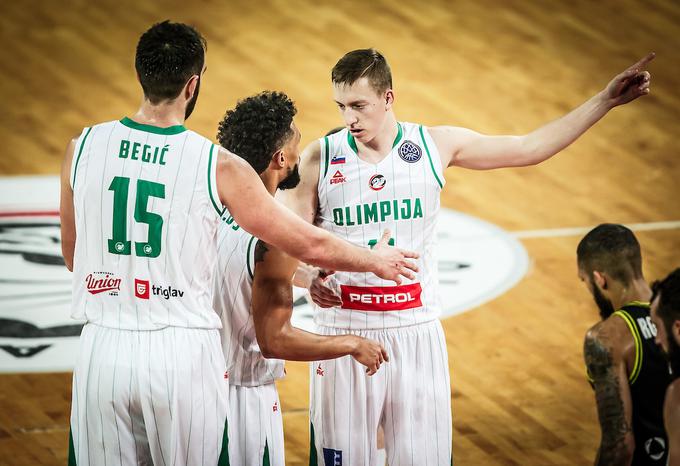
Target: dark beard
column 292, row 179
column 192, row 103
column 605, row 306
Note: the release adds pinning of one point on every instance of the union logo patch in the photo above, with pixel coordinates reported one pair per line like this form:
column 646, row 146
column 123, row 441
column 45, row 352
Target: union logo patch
column 410, row 152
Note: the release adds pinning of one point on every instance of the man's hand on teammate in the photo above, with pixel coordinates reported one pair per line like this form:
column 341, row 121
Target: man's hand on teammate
column 370, row 353
column 322, row 294
column 391, row 263
column 631, row 84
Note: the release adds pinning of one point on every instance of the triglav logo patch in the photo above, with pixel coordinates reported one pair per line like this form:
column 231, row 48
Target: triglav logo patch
column 410, row 152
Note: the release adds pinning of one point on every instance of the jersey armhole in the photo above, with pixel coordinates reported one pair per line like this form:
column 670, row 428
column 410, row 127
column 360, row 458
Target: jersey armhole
column 77, row 153
column 324, row 158
column 212, row 182
column 250, row 257
column 435, row 163
column 637, row 365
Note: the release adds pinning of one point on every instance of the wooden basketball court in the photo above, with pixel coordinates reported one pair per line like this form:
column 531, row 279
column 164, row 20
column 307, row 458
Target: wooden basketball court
column 519, row 392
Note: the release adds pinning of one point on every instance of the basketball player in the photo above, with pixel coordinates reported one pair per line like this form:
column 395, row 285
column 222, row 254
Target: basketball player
column 625, row 367
column 381, row 173
column 141, row 200
column 261, row 130
column 666, row 315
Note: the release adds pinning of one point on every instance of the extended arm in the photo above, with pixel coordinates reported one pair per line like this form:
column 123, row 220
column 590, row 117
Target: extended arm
column 273, row 308
column 469, row 149
column 66, row 212
column 254, row 209
column 607, row 370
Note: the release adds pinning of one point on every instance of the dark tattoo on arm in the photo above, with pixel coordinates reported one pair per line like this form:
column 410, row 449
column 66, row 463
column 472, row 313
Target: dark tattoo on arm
column 260, row 250
column 610, row 407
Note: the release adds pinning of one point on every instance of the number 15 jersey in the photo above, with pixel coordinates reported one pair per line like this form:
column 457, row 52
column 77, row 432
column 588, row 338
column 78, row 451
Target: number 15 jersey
column 146, row 214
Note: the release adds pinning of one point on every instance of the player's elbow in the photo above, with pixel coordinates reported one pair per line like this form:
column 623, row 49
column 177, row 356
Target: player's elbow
column 270, row 348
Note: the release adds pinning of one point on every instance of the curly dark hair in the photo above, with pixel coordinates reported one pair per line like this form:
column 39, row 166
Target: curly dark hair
column 168, row 54
column 613, row 249
column 257, row 127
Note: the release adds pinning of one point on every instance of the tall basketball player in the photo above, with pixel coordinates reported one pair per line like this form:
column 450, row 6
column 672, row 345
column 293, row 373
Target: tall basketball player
column 253, row 275
column 381, row 173
column 141, row 200
column 625, row 367
column 666, row 315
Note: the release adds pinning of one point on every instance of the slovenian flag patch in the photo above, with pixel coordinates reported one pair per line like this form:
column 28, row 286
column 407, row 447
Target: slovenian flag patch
column 337, row 159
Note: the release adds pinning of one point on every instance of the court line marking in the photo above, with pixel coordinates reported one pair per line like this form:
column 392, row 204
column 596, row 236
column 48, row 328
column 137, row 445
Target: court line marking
column 578, row 231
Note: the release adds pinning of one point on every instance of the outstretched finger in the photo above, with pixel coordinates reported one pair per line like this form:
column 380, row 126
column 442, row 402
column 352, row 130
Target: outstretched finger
column 411, row 265
column 384, row 354
column 385, row 238
column 642, row 63
column 407, row 273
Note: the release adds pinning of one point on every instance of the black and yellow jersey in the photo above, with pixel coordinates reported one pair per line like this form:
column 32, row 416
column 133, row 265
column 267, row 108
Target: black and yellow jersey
column 648, row 381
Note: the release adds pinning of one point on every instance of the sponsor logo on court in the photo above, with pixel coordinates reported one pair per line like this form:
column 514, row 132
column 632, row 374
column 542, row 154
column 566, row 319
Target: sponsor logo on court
column 381, row 298
column 102, row 282
column 410, row 152
column 477, row 262
column 377, row 182
column 338, row 178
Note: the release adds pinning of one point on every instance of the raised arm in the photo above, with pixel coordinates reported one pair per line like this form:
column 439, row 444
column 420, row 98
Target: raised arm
column 273, row 307
column 66, row 212
column 243, row 193
column 469, row 149
column 671, row 418
column 607, row 370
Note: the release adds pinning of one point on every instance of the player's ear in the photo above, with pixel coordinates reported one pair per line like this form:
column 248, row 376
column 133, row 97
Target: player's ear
column 190, row 87
column 675, row 329
column 279, row 158
column 389, row 99
column 600, row 279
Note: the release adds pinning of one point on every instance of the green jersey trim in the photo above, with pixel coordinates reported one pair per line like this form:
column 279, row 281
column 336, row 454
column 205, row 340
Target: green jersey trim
column 248, row 266
column 429, row 156
column 80, row 152
column 71, row 449
column 170, row 130
column 327, row 154
column 219, row 211
column 353, row 144
column 223, row 459
column 313, row 459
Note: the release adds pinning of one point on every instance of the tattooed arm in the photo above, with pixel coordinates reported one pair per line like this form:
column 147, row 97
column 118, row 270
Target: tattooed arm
column 607, row 369
column 273, row 308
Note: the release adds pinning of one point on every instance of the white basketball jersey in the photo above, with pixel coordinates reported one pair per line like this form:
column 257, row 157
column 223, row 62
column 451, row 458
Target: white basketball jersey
column 147, row 211
column 358, row 201
column 233, row 285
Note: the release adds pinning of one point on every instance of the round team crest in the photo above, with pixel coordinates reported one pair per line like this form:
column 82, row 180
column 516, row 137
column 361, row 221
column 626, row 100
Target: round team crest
column 410, row 152
column 377, row 182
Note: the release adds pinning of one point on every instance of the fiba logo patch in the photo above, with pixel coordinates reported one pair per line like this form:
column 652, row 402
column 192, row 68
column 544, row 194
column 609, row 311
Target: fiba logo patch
column 377, row 182
column 655, row 448
column 410, row 152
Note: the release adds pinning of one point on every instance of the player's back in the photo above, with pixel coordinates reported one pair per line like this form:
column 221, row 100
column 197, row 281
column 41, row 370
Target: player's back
column 648, row 382
column 146, row 211
column 358, row 200
column 233, row 285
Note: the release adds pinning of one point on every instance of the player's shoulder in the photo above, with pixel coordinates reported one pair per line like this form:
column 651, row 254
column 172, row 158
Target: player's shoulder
column 611, row 334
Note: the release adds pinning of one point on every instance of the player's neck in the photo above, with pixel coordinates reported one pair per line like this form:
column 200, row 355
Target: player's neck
column 162, row 115
column 382, row 143
column 638, row 290
column 270, row 181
